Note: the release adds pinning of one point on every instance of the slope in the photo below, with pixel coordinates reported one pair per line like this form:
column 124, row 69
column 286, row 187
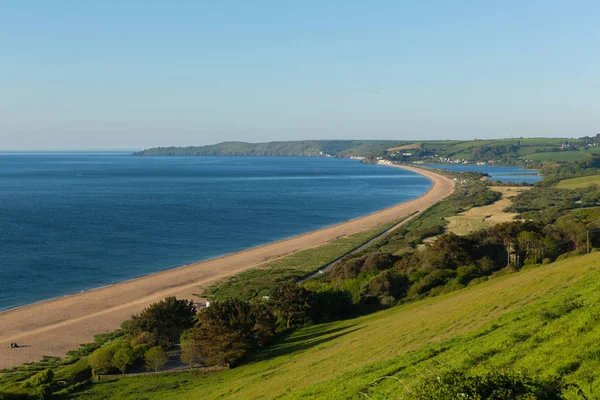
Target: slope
column 543, row 320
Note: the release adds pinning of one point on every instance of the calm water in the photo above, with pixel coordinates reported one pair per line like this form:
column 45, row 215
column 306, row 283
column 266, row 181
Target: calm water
column 504, row 174
column 71, row 222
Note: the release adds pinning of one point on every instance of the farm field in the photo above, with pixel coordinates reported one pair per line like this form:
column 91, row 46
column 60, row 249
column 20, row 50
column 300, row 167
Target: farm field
column 560, row 156
column 478, row 218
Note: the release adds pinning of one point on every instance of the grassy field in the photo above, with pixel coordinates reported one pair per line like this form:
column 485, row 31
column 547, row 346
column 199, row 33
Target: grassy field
column 542, row 149
column 560, row 156
column 260, row 281
column 483, row 217
column 542, row 320
column 576, row 183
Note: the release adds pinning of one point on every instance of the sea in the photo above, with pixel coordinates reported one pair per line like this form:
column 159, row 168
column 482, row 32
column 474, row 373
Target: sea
column 70, row 222
column 496, row 172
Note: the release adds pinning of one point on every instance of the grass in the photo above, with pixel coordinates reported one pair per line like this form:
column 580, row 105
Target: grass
column 483, row 217
column 577, row 183
column 260, row 281
column 560, row 156
column 541, row 320
column 405, row 147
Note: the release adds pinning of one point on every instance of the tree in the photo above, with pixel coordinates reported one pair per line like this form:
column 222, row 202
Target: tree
column 155, row 358
column 101, row 360
column 293, row 303
column 123, row 357
column 229, row 329
column 573, row 231
column 164, row 321
column 387, row 284
column 189, row 354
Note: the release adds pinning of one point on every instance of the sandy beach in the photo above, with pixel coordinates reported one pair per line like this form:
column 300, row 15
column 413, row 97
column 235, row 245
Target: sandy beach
column 56, row 326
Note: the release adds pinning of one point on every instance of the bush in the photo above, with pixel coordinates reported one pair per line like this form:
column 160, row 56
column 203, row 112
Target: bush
column 330, row 304
column 496, row 385
column 101, row 360
column 75, row 373
column 123, row 357
column 41, row 378
column 155, row 358
column 387, row 284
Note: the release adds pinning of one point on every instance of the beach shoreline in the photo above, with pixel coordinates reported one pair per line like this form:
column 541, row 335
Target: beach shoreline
column 52, row 327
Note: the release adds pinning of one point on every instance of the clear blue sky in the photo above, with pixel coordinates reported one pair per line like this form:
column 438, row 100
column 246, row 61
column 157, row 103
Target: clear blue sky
column 134, row 74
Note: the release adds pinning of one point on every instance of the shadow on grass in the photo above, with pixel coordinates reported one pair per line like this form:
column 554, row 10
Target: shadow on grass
column 284, row 347
column 311, row 335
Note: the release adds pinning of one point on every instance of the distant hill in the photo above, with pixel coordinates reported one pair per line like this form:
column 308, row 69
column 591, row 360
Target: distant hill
column 500, row 151
column 334, row 148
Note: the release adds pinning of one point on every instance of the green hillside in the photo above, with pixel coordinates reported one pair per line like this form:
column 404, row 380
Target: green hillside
column 502, row 151
column 335, row 148
column 542, row 321
column 576, row 183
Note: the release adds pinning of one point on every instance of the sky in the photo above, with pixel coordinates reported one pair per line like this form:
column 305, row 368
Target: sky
column 137, row 74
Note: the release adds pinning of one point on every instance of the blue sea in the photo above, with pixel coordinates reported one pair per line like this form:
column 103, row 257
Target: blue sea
column 75, row 221
column 496, row 172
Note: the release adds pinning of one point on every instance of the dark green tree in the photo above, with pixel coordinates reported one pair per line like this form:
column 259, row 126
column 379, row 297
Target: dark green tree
column 230, row 329
column 164, row 321
column 293, row 304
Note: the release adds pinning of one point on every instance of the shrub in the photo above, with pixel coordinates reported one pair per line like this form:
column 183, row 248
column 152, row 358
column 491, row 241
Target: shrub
column 101, row 360
column 123, row 357
column 387, row 284
column 75, row 373
column 330, row 304
column 496, row 385
column 41, row 378
column 155, row 358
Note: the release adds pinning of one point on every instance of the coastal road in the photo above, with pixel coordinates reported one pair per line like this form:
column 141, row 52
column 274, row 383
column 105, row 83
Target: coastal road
column 363, row 246
column 56, row 326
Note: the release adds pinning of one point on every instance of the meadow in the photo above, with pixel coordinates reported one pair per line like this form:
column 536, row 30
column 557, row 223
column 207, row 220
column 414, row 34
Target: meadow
column 576, row 183
column 483, row 217
column 542, row 320
column 560, row 156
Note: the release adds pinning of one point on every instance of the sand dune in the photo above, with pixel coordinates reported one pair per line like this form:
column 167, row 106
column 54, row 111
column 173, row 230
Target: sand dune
column 56, row 326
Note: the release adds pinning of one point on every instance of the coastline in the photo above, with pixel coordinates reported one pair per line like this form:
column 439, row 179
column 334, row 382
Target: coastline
column 53, row 327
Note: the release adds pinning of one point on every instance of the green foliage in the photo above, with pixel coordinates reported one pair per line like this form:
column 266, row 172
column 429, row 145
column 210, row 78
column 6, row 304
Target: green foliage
column 155, row 358
column 189, row 354
column 293, row 304
column 495, row 385
column 541, row 199
column 387, row 284
column 230, row 329
column 329, row 303
column 41, row 378
column 123, row 357
column 491, row 327
column 99, row 341
column 77, row 372
column 101, row 360
column 163, row 321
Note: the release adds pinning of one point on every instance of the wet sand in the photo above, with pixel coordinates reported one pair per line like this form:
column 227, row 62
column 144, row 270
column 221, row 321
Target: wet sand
column 53, row 327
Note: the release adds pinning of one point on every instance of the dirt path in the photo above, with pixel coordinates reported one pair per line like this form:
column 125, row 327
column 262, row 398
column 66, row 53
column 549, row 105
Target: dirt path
column 56, row 326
